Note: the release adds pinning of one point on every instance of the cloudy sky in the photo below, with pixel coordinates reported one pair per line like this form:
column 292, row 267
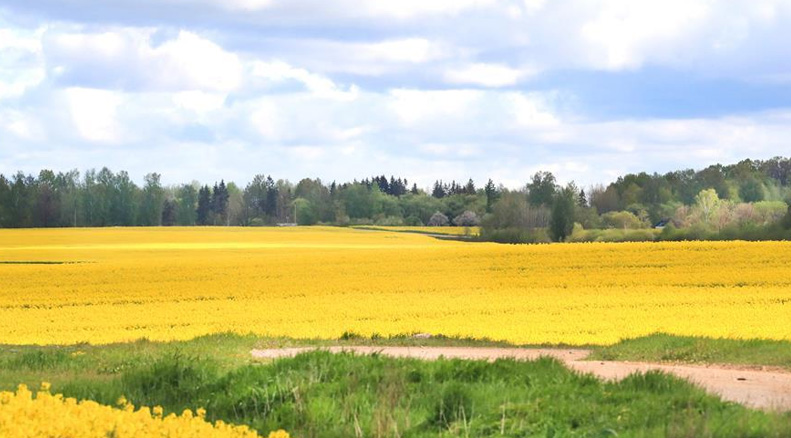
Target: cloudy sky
column 210, row 89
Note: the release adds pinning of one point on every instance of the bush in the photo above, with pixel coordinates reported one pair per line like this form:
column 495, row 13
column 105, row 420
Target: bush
column 621, row 219
column 515, row 235
column 612, row 235
column 390, row 221
column 467, row 219
column 413, row 221
column 438, row 220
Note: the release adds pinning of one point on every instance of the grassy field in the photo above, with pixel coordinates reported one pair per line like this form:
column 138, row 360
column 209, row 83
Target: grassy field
column 113, row 285
column 323, row 395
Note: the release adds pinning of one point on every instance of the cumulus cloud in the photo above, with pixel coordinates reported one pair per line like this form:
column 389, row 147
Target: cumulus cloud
column 423, row 89
column 127, row 58
column 487, row 75
column 94, row 113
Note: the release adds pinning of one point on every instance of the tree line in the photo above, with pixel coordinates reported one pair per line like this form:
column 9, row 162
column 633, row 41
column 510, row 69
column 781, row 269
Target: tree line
column 754, row 189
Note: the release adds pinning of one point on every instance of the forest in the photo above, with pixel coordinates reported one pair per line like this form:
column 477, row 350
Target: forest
column 747, row 200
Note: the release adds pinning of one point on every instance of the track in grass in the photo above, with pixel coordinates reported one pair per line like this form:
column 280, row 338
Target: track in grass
column 754, row 388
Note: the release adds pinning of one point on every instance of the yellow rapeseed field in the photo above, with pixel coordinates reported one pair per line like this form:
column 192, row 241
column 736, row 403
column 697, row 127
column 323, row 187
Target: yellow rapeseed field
column 24, row 416
column 178, row 283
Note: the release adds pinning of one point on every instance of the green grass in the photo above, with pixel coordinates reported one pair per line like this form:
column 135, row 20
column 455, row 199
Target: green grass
column 319, row 394
column 33, row 364
column 685, row 349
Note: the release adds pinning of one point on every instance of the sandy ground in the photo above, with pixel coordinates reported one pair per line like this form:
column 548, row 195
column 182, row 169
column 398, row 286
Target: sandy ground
column 758, row 389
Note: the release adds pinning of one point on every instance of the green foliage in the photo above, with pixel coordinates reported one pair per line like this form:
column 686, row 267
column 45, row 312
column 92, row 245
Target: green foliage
column 515, row 235
column 104, row 198
column 562, row 221
column 580, row 234
column 541, row 189
column 751, row 190
column 669, row 348
column 38, row 360
column 786, row 222
column 621, row 220
column 334, row 395
column 306, row 212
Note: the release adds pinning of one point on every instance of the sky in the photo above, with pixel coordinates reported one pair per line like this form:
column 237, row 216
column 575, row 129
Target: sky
column 424, row 89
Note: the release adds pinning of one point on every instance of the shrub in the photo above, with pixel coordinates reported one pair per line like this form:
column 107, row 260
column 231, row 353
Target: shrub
column 467, row 219
column 438, row 220
column 621, row 219
column 515, row 235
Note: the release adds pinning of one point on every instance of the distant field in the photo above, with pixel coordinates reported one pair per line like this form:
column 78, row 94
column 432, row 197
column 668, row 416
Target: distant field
column 451, row 231
column 108, row 285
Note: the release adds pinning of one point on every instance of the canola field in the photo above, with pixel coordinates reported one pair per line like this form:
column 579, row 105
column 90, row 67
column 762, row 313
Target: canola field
column 109, row 285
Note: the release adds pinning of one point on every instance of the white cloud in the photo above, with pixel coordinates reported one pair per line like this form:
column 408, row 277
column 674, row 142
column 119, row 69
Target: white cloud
column 404, row 9
column 199, row 102
column 418, row 106
column 623, row 32
column 127, row 57
column 94, row 113
column 413, row 50
column 487, row 75
column 246, row 5
column 318, row 85
column 532, row 111
column 21, row 63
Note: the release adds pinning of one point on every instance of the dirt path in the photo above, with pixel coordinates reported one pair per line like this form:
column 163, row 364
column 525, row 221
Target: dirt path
column 757, row 389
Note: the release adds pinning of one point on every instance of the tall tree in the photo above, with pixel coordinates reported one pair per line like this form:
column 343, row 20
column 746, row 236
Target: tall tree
column 203, row 212
column 219, row 203
column 169, row 212
column 187, row 202
column 153, row 201
column 491, row 194
column 562, row 221
column 541, row 189
column 270, row 206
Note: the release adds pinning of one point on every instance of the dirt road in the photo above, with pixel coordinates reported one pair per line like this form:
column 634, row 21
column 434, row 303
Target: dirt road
column 758, row 389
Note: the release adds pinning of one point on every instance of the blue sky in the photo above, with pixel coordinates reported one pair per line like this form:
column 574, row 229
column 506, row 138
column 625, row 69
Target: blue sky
column 452, row 89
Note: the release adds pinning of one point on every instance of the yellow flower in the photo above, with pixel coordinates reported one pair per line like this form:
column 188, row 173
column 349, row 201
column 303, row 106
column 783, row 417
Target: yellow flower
column 57, row 416
column 319, row 282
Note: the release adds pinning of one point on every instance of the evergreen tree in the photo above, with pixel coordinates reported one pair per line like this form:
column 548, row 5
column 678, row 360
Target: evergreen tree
column 491, row 195
column 469, row 189
column 203, row 211
column 270, row 208
column 219, row 203
column 439, row 190
column 582, row 199
column 169, row 212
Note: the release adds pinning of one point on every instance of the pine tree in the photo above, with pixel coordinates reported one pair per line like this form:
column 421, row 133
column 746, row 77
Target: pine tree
column 204, row 205
column 491, row 194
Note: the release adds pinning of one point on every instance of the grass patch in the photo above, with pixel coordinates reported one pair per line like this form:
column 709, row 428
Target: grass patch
column 319, row 394
column 695, row 350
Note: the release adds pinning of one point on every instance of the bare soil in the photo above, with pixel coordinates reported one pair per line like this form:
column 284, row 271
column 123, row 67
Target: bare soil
column 770, row 390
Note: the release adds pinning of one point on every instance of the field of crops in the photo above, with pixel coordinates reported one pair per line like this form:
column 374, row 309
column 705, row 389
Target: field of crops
column 107, row 285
